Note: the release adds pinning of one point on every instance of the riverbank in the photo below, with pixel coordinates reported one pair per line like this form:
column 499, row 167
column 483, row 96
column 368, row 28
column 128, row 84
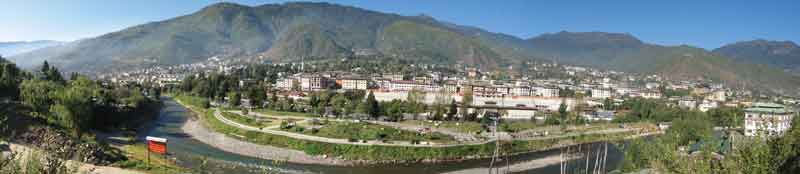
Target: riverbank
column 518, row 167
column 229, row 138
column 195, row 128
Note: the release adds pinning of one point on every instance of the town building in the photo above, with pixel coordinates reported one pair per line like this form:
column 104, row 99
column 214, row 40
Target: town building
column 312, row 82
column 286, row 83
column 353, row 83
column 521, row 91
column 601, row 93
column 545, row 91
column 766, row 119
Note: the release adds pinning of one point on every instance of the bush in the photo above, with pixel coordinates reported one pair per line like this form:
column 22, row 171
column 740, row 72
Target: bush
column 285, row 125
column 299, row 129
column 551, row 120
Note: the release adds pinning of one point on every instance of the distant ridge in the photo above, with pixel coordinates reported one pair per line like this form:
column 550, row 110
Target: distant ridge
column 286, row 32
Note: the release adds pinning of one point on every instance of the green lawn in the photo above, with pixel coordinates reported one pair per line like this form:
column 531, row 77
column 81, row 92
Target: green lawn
column 282, row 113
column 460, row 126
column 367, row 131
column 250, row 121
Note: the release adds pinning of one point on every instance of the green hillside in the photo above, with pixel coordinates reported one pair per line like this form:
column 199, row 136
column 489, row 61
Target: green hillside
column 782, row 54
column 275, row 31
column 291, row 31
column 626, row 53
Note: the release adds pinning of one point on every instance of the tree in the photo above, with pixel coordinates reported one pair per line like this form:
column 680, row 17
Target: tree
column 566, row 92
column 234, row 98
column 3, row 125
column 562, row 110
column 453, row 110
column 45, row 70
column 466, row 101
column 35, row 94
column 10, row 78
column 135, row 99
column 608, row 104
column 73, row 105
column 339, row 103
column 373, row 109
column 415, row 98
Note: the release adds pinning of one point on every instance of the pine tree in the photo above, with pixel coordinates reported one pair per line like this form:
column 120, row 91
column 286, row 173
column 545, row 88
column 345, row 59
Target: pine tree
column 453, row 110
column 373, row 109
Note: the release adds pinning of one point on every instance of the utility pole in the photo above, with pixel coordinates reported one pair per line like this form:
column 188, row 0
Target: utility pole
column 496, row 145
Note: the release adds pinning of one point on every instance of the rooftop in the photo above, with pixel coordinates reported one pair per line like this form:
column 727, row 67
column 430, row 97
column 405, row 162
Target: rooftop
column 768, row 108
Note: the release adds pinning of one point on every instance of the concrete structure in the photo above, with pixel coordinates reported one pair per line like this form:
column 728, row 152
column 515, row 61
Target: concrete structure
column 521, row 91
column 766, row 119
column 353, row 83
column 402, row 85
column 601, row 93
column 545, row 91
column 312, row 82
column 286, row 84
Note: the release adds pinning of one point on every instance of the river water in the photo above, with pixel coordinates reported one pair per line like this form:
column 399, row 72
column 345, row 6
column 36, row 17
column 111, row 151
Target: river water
column 189, row 152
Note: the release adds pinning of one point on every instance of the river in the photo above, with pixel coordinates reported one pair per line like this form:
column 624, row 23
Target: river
column 188, row 152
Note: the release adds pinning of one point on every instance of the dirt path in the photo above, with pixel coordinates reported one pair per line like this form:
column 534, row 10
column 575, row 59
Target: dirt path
column 218, row 115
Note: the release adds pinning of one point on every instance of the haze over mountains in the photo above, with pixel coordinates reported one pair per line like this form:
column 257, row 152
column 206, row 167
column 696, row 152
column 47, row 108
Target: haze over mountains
column 14, row 48
column 287, row 32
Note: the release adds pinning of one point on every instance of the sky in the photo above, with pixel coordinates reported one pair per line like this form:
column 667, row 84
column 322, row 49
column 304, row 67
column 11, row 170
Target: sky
column 708, row 24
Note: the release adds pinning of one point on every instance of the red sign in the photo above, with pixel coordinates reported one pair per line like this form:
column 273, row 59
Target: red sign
column 157, row 145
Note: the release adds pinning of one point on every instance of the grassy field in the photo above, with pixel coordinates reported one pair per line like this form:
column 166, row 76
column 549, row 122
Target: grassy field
column 250, row 121
column 282, row 113
column 460, row 126
column 367, row 131
column 391, row 153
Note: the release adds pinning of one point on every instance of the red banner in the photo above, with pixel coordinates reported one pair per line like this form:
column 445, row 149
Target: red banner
column 157, row 147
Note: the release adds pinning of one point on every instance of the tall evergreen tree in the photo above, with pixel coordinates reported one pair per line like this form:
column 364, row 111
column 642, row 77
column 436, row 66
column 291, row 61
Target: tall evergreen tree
column 373, row 107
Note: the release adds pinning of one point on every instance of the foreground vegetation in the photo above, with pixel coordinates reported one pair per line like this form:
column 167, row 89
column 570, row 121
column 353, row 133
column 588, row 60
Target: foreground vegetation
column 690, row 145
column 61, row 118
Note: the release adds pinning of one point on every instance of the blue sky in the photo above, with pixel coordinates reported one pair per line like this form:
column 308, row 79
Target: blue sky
column 707, row 24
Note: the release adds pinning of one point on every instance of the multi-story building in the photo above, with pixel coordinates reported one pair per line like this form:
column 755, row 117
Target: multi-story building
column 353, row 83
column 312, row 82
column 286, row 83
column 521, row 91
column 601, row 93
column 650, row 94
column 719, row 96
column 687, row 103
column 545, row 91
column 402, row 85
column 766, row 119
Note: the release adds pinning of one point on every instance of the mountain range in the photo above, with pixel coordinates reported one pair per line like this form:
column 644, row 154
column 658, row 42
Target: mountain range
column 783, row 54
column 290, row 31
